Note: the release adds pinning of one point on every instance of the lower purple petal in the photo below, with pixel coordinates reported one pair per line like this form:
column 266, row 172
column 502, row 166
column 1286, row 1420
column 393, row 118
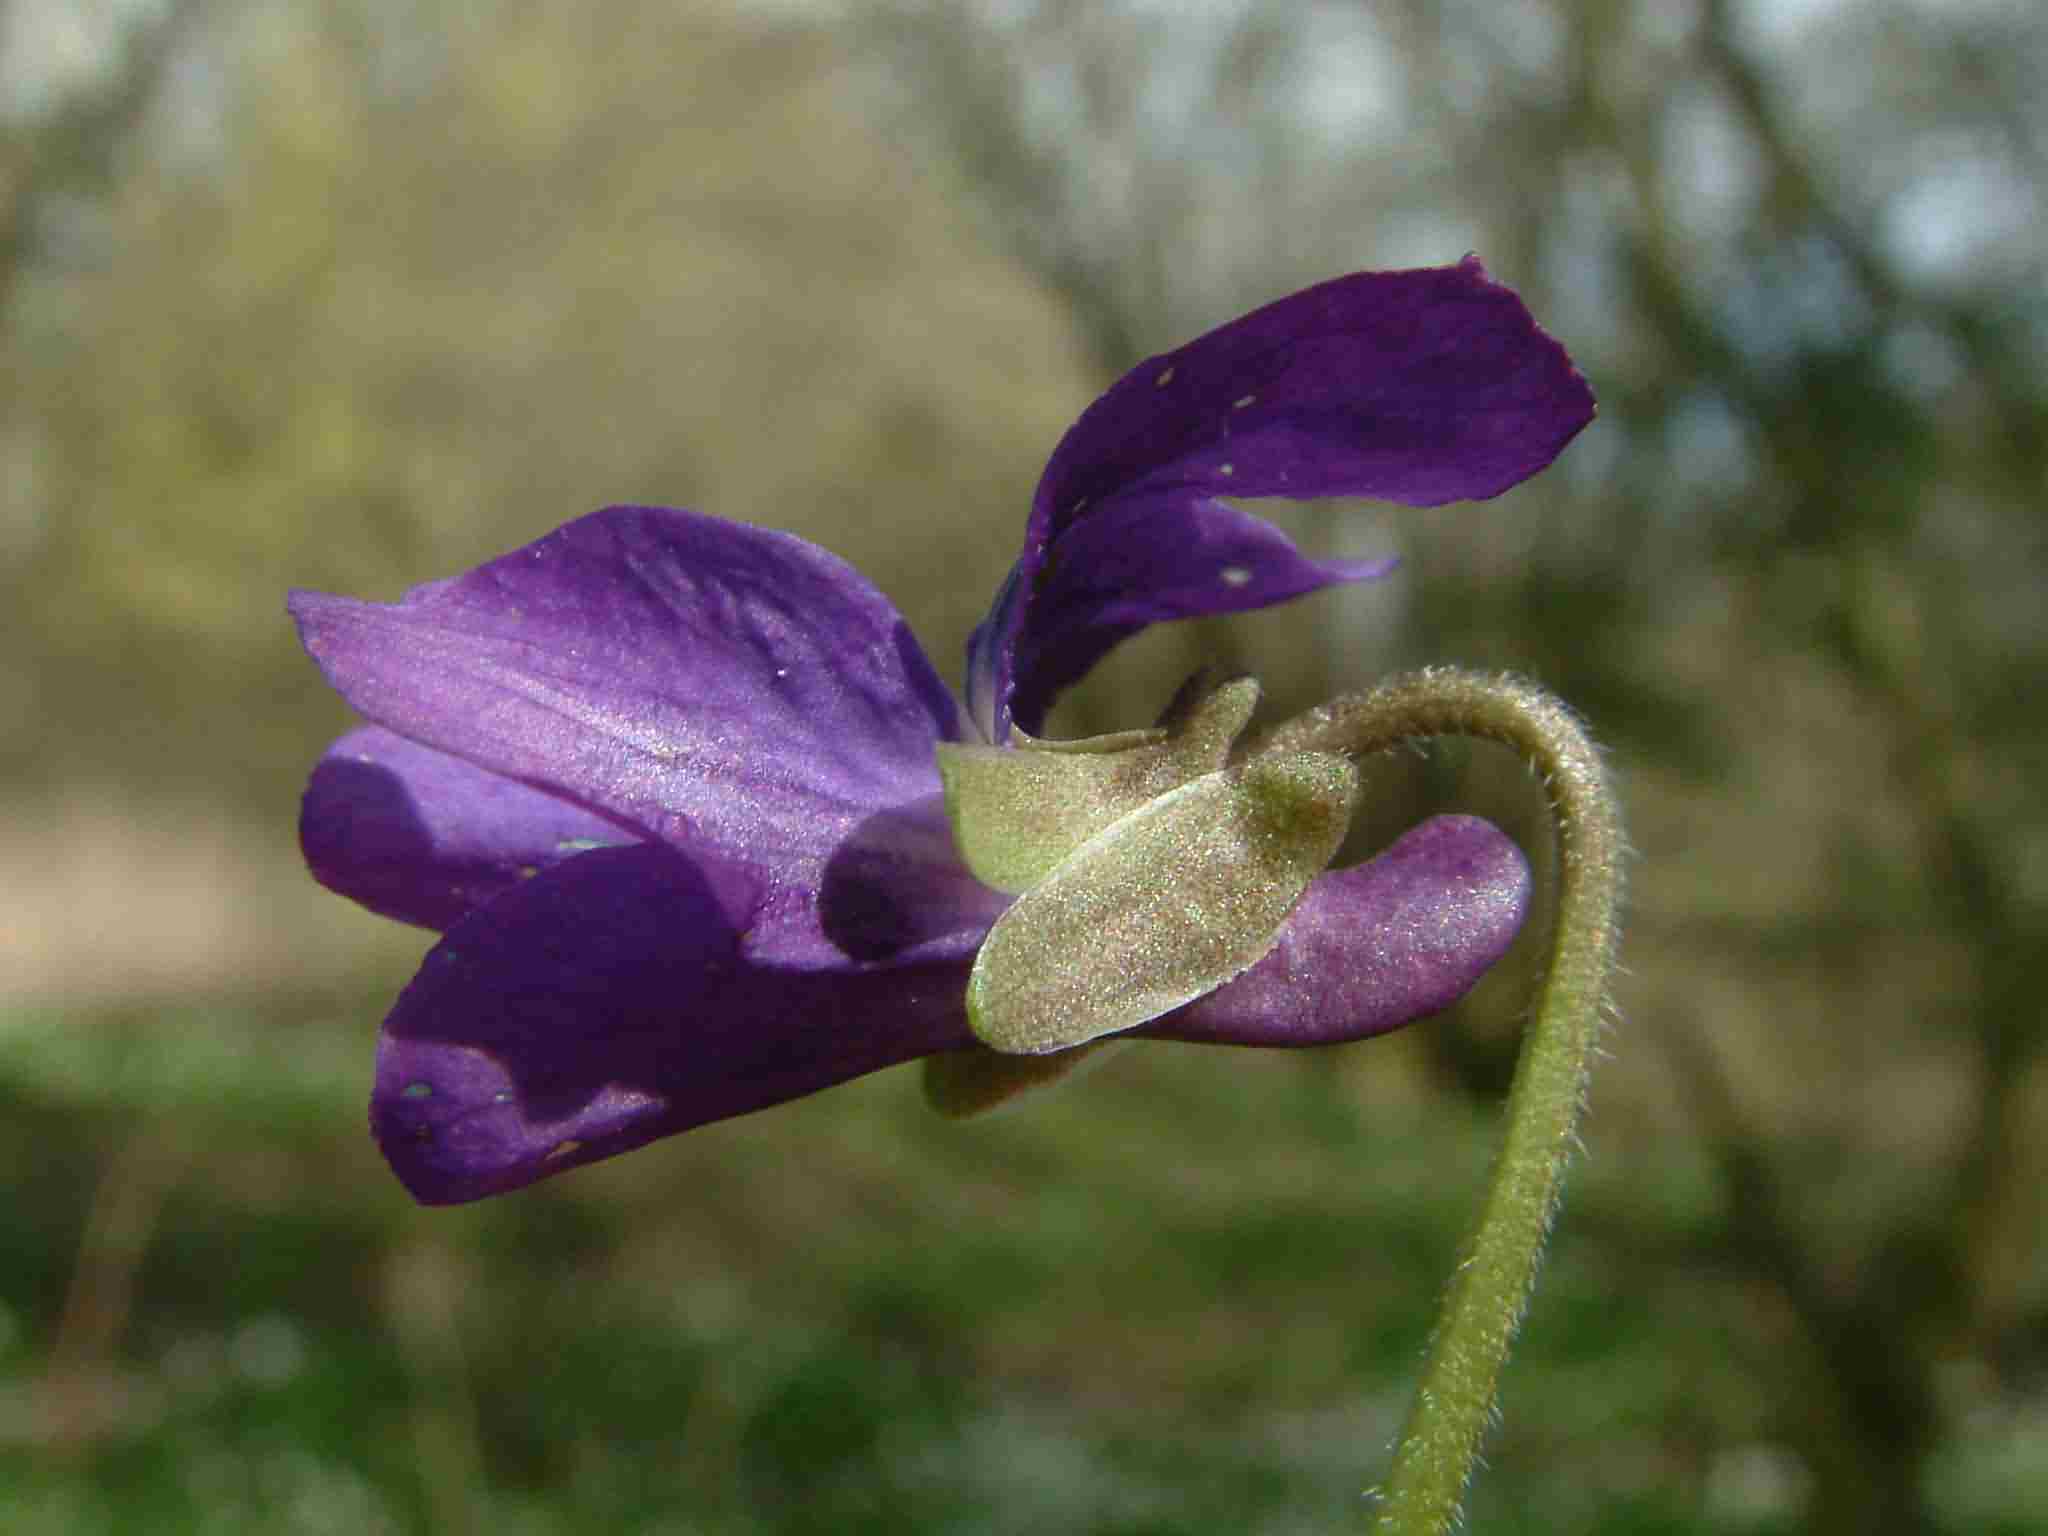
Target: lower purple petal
column 607, row 1002
column 1375, row 946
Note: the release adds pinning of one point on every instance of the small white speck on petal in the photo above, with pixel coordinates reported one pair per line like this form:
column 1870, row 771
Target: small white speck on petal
column 1226, row 470
column 1165, row 378
column 1242, row 401
column 1234, row 575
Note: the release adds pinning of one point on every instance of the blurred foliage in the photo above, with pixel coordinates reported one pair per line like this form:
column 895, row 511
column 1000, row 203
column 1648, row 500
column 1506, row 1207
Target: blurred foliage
column 408, row 290
column 355, row 293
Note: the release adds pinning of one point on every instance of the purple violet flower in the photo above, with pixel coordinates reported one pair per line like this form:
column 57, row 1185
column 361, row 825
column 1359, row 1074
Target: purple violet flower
column 667, row 785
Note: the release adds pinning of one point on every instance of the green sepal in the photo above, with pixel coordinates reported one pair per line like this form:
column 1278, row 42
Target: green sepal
column 1017, row 811
column 1166, row 903
column 962, row 1084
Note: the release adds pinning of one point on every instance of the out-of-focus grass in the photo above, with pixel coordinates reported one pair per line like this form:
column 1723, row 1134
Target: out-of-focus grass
column 1184, row 1294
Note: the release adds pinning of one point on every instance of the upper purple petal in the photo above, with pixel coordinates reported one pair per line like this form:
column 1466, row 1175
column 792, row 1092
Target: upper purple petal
column 423, row 837
column 1419, row 387
column 724, row 688
column 609, row 1001
column 1374, row 946
column 1148, row 557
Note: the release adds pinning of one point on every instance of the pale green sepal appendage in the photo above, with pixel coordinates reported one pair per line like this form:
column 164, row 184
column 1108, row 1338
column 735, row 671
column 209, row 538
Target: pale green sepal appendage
column 963, row 1084
column 1018, row 810
column 1164, row 904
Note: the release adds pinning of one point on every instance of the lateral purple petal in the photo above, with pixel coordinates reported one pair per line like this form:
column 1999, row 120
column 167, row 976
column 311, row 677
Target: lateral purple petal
column 423, row 837
column 723, row 688
column 1375, row 946
column 1419, row 387
column 607, row 1002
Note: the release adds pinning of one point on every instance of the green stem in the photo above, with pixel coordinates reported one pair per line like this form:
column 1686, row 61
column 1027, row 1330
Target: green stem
column 1490, row 1291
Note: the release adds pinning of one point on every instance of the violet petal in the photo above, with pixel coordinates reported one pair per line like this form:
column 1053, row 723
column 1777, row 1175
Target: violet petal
column 423, row 837
column 607, row 1002
column 1419, row 387
column 726, row 689
column 1151, row 557
column 1375, row 946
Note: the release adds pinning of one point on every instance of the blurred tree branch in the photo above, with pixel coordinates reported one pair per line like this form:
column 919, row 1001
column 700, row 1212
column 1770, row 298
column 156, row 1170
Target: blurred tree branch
column 70, row 149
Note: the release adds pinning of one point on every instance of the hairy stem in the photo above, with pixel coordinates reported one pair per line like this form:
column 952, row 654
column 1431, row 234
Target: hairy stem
column 1490, row 1291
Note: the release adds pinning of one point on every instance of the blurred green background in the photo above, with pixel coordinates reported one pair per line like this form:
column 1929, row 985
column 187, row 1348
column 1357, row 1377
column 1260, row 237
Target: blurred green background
column 355, row 293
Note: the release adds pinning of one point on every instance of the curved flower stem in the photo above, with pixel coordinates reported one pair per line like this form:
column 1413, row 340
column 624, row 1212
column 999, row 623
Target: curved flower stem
column 1490, row 1290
